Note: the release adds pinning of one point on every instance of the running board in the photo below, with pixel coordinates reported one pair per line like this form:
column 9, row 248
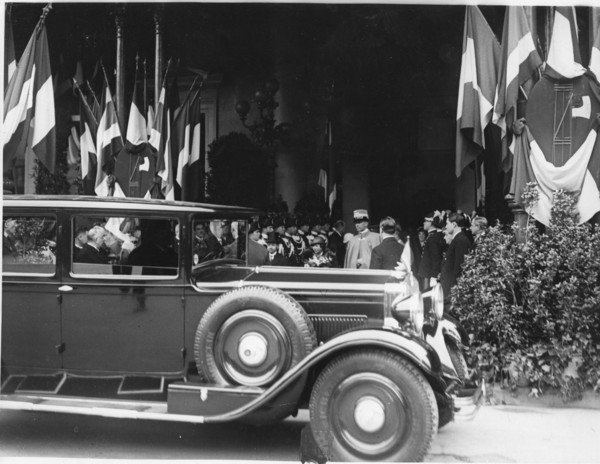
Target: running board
column 92, row 407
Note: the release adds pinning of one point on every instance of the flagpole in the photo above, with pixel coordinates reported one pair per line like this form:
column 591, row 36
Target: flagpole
column 145, row 88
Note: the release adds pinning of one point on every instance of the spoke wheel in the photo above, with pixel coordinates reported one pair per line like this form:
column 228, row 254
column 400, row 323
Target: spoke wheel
column 373, row 405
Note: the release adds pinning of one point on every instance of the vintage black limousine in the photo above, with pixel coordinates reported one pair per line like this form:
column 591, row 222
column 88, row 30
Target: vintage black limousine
column 147, row 309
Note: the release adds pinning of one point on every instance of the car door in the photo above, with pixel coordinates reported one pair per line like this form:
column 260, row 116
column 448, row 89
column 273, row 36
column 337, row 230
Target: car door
column 123, row 312
column 31, row 338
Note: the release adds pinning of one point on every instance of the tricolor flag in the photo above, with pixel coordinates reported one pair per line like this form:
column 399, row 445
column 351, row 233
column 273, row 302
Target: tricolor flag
column 88, row 128
column 519, row 60
column 195, row 190
column 160, row 140
column 10, row 61
column 564, row 59
column 109, row 143
column 137, row 133
column 150, row 120
column 322, row 181
column 477, row 87
column 29, row 121
column 180, row 145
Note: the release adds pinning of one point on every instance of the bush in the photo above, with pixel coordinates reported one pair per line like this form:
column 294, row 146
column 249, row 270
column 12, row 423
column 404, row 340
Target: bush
column 533, row 308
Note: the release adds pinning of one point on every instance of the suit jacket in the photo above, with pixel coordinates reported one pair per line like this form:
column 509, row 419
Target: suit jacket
column 452, row 265
column 337, row 246
column 278, row 260
column 89, row 254
column 257, row 254
column 387, row 255
column 433, row 252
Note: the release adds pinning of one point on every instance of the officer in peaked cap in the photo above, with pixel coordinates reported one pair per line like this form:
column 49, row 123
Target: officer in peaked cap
column 358, row 254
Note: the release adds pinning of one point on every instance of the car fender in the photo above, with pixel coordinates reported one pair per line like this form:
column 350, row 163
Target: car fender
column 408, row 345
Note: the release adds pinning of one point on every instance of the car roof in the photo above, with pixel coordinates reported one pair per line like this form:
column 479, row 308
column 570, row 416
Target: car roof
column 93, row 202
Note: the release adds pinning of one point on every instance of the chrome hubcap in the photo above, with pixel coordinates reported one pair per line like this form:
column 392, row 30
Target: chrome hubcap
column 252, row 349
column 369, row 414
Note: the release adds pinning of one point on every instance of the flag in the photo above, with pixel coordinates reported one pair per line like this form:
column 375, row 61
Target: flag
column 564, row 58
column 477, row 87
column 109, row 143
column 160, row 140
column 519, row 60
column 29, row 118
column 137, row 134
column 322, row 181
column 73, row 148
column 594, row 64
column 180, row 146
column 10, row 61
column 94, row 103
column 195, row 188
column 88, row 128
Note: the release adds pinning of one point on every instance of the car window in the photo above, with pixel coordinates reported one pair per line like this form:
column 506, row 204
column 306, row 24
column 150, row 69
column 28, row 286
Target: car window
column 130, row 247
column 29, row 245
column 218, row 239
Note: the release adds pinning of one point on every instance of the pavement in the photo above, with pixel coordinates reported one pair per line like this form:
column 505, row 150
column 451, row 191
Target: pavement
column 521, row 434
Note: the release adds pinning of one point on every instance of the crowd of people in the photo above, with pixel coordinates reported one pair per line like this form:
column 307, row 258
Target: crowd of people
column 437, row 249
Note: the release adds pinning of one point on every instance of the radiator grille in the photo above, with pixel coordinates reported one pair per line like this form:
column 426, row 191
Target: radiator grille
column 328, row 326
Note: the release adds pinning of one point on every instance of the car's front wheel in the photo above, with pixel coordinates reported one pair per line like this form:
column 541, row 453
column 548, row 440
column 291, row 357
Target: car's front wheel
column 373, row 405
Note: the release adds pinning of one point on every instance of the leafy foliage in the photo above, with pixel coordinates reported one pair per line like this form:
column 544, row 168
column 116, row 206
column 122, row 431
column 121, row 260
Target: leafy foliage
column 239, row 172
column 533, row 308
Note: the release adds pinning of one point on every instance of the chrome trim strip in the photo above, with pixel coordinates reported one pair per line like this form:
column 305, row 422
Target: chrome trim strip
column 331, row 271
column 290, row 286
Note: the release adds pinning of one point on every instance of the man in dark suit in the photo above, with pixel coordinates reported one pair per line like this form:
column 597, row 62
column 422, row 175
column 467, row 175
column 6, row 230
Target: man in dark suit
column 274, row 258
column 455, row 256
column 336, row 241
column 93, row 251
column 388, row 253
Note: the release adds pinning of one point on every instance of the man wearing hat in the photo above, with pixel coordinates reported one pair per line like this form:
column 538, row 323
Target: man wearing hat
column 257, row 254
column 274, row 258
column 293, row 243
column 433, row 251
column 388, row 253
column 304, row 230
column 360, row 247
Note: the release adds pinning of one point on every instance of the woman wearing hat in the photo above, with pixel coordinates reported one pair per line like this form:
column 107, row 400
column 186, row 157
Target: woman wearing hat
column 321, row 256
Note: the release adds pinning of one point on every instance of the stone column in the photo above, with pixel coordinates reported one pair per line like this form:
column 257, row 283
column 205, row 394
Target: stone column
column 158, row 62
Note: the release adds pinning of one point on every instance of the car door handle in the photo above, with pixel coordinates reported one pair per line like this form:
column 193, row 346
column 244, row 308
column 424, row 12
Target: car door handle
column 65, row 288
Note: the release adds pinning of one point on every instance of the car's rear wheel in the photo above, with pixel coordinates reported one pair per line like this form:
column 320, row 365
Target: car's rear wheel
column 372, row 405
column 251, row 336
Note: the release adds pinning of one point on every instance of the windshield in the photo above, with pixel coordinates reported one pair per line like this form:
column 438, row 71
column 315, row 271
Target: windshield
column 218, row 239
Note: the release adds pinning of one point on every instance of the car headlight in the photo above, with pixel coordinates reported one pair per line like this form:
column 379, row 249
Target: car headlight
column 410, row 309
column 437, row 301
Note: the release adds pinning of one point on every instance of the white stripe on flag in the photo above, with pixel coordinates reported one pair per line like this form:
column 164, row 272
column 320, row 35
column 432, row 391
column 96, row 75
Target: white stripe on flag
column 44, row 112
column 108, row 135
column 595, row 61
column 136, row 127
column 87, row 147
column 518, row 56
column 184, row 155
column 18, row 113
column 196, row 137
column 12, row 67
column 561, row 56
column 467, row 73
